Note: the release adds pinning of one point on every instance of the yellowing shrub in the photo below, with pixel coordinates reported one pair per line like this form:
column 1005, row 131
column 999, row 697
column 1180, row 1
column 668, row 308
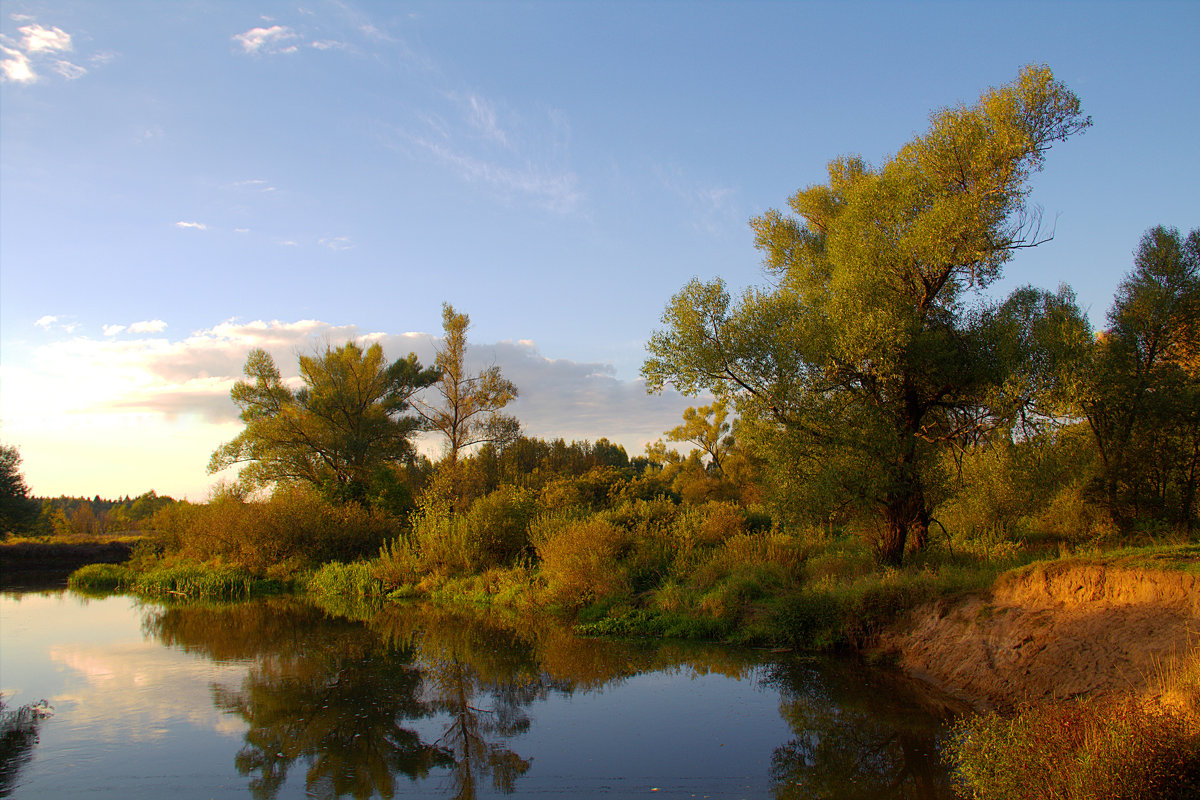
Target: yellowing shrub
column 580, row 562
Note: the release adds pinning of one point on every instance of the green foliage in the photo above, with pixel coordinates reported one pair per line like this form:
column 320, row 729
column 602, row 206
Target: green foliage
column 181, row 580
column 862, row 360
column 341, row 432
column 101, row 578
column 1079, row 750
column 345, row 580
column 706, row 428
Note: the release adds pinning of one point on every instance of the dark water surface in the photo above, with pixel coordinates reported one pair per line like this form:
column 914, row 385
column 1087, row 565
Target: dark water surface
column 282, row 698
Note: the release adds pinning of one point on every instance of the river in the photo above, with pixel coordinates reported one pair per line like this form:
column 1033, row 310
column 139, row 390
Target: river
column 283, row 698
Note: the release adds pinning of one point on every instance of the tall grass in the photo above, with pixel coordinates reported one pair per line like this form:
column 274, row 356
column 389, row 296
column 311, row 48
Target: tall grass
column 184, row 580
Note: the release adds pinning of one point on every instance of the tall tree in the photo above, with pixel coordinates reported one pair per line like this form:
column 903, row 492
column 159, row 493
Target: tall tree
column 862, row 357
column 17, row 509
column 467, row 408
column 1142, row 394
column 340, row 431
column 706, row 428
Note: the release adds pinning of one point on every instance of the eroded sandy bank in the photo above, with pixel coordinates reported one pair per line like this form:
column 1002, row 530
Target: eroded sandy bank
column 1052, row 631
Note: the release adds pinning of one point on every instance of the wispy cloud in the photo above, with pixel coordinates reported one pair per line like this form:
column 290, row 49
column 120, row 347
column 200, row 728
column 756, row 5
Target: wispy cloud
column 335, row 242
column 711, row 209
column 46, row 321
column 555, row 190
column 521, row 157
column 274, row 40
column 37, row 46
column 254, row 185
column 148, row 326
column 112, row 330
column 482, row 116
column 200, row 226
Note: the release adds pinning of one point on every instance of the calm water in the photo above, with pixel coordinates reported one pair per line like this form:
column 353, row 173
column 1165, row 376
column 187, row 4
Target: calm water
column 281, row 698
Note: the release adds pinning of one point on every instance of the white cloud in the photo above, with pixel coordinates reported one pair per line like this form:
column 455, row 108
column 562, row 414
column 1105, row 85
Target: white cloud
column 200, row 226
column 46, row 321
column 39, row 47
column 15, row 66
column 148, row 326
column 36, row 39
column 112, row 330
column 269, row 41
column 328, row 44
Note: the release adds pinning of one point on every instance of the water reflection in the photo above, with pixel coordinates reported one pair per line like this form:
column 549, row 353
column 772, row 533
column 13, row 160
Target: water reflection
column 366, row 697
column 881, row 738
column 18, row 737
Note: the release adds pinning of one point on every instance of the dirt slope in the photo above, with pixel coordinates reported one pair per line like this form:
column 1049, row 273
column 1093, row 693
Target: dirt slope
column 1054, row 630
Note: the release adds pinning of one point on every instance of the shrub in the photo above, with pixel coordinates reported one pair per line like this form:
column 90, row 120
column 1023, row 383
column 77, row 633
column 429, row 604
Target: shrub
column 580, row 561
column 1122, row 749
column 499, row 522
column 1073, row 516
column 293, row 529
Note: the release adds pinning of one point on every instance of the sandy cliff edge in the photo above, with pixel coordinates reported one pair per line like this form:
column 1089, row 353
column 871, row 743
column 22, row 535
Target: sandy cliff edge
column 1052, row 631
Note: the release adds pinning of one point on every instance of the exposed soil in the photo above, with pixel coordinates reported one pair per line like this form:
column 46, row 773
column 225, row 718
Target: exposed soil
column 1052, row 631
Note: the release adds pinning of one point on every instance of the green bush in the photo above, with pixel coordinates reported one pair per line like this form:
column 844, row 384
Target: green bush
column 499, row 524
column 346, row 580
column 97, row 578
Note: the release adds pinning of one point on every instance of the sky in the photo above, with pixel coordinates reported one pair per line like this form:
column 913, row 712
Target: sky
column 182, row 182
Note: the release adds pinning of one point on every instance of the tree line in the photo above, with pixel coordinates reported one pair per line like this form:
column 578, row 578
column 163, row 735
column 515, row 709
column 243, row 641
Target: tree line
column 871, row 385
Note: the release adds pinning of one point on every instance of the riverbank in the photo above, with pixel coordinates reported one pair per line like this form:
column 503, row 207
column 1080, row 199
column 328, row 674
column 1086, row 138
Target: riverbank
column 1056, row 630
column 24, row 557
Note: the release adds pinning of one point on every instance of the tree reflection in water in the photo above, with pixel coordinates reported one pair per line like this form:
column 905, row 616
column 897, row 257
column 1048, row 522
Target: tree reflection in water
column 322, row 690
column 365, row 695
column 856, row 739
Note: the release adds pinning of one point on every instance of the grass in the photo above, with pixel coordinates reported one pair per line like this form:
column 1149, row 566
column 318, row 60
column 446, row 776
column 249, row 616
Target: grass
column 196, row 581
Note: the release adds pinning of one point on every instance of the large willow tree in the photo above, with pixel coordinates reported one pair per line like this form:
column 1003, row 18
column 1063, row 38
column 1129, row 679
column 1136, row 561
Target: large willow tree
column 867, row 354
column 340, row 430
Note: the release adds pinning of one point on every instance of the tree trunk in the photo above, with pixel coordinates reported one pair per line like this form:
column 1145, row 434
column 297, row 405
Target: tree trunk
column 904, row 514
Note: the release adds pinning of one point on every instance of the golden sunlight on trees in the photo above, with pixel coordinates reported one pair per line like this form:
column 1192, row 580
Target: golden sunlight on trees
column 862, row 359
column 1141, row 396
column 706, row 428
column 342, row 431
column 467, row 411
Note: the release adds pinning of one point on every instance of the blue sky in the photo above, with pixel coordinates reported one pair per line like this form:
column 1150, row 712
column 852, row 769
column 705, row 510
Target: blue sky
column 182, row 181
